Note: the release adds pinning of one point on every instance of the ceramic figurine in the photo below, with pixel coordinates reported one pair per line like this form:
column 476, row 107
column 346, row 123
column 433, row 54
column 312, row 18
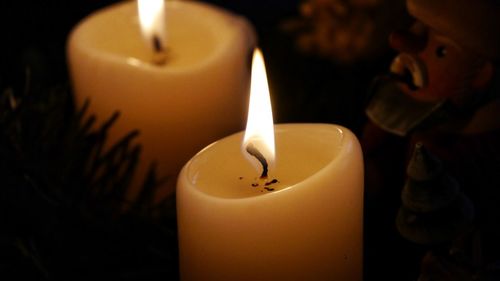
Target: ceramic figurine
column 444, row 75
column 433, row 210
column 443, row 90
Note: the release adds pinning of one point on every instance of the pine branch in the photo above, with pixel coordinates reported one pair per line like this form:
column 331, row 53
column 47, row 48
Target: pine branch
column 62, row 196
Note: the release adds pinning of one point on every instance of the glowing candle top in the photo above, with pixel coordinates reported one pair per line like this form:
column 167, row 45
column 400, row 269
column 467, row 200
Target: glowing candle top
column 259, row 133
column 152, row 22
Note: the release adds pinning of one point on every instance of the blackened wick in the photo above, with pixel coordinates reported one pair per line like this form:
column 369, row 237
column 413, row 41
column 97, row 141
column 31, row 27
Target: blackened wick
column 158, row 47
column 252, row 150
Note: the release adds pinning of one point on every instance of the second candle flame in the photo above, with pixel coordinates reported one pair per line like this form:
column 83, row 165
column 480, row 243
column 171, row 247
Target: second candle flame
column 152, row 22
column 259, row 133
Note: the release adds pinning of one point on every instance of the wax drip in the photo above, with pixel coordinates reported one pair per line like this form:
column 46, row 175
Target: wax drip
column 252, row 150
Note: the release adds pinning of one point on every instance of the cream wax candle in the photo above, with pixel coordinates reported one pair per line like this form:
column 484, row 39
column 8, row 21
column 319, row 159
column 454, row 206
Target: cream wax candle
column 194, row 95
column 301, row 221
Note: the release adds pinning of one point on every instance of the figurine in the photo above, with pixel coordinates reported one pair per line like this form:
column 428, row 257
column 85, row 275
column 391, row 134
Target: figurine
column 444, row 72
column 443, row 91
column 434, row 210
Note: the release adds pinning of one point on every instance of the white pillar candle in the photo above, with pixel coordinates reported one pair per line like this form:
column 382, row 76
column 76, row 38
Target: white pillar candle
column 196, row 97
column 305, row 226
column 308, row 228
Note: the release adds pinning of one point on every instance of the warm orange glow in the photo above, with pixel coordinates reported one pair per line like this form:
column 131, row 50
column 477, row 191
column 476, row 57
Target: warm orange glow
column 152, row 19
column 260, row 127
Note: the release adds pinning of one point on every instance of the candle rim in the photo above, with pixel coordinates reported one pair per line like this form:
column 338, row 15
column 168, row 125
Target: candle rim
column 226, row 18
column 345, row 134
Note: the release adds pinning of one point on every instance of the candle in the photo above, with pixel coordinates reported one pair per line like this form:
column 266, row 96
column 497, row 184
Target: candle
column 301, row 222
column 192, row 97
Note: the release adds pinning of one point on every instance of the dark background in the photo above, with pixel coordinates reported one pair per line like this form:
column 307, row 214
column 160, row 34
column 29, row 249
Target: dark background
column 305, row 88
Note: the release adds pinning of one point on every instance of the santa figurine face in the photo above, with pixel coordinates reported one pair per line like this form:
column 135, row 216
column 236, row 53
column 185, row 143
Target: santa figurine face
column 432, row 67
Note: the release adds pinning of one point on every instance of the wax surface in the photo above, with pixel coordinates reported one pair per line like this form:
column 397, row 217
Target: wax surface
column 196, row 41
column 223, row 171
column 309, row 228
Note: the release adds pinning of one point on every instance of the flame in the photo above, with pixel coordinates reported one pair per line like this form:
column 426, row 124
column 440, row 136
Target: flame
column 260, row 129
column 152, row 19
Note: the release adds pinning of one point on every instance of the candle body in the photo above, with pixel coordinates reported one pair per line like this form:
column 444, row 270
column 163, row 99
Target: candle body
column 308, row 228
column 198, row 96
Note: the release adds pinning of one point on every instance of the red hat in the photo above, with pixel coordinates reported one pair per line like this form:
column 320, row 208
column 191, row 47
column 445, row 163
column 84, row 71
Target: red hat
column 473, row 24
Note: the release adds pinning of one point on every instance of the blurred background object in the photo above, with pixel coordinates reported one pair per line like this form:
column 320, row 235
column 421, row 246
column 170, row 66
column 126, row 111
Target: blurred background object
column 346, row 31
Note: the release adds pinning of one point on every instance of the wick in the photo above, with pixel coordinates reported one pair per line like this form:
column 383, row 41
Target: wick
column 157, row 44
column 271, row 182
column 160, row 54
column 252, row 150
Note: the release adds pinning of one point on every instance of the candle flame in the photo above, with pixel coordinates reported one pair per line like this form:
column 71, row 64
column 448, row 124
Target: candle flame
column 152, row 21
column 259, row 132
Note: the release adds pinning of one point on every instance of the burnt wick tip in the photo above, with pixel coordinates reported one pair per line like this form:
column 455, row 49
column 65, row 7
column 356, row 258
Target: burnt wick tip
column 252, row 150
column 157, row 45
column 160, row 54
